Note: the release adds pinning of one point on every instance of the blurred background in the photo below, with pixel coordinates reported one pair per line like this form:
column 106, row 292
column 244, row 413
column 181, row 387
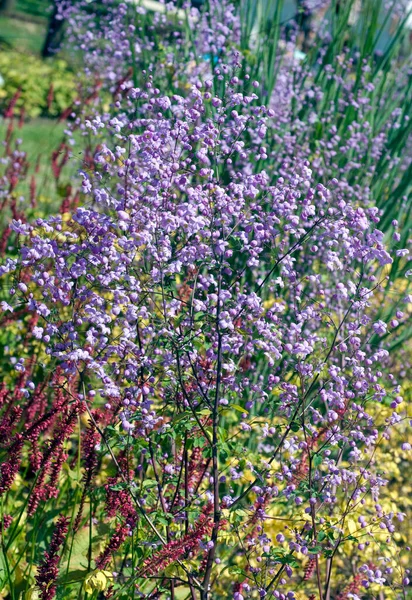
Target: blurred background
column 41, row 79
column 32, row 26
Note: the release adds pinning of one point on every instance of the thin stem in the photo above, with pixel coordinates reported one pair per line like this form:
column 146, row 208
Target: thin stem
column 215, row 461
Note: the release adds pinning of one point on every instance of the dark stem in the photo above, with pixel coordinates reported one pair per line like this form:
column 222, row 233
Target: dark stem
column 215, row 461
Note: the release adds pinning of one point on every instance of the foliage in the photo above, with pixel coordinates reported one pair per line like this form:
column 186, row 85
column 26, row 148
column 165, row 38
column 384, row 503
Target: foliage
column 42, row 88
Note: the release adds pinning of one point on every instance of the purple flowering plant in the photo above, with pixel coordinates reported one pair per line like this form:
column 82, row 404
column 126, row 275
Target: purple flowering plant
column 212, row 341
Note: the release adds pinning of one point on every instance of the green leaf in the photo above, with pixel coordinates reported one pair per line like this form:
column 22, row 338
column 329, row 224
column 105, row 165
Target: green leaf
column 317, row 460
column 315, row 550
column 235, row 570
column 238, row 408
column 149, row 483
column 72, row 577
column 181, row 416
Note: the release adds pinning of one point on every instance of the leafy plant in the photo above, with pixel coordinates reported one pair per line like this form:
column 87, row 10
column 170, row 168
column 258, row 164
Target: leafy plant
column 37, row 87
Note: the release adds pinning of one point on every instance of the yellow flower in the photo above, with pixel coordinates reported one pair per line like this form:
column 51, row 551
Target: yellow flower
column 97, row 580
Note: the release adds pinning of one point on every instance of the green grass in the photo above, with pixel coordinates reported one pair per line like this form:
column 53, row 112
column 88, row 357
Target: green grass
column 40, row 137
column 22, row 35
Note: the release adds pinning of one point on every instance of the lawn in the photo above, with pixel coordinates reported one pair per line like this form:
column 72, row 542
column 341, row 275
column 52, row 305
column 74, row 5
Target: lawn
column 24, row 35
column 40, row 138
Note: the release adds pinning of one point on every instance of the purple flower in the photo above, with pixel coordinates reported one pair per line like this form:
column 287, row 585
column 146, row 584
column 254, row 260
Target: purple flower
column 379, row 327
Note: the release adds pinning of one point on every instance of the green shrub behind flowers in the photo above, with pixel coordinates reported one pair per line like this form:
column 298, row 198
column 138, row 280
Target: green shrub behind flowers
column 44, row 88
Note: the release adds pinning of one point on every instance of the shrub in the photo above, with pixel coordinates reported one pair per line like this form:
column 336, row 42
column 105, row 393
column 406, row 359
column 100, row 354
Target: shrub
column 40, row 87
